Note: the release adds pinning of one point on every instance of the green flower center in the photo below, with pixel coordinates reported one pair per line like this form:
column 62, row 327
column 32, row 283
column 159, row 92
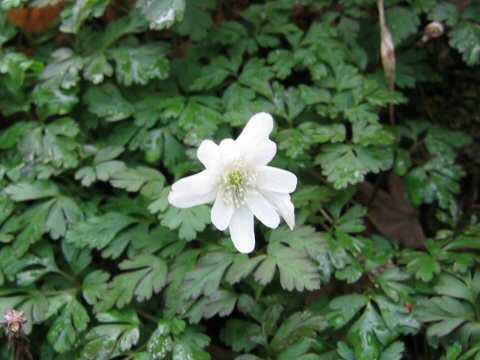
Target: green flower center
column 238, row 184
column 236, row 178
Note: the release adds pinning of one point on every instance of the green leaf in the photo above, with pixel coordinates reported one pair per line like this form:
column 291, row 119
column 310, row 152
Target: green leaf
column 35, row 309
column 444, row 327
column 367, row 134
column 423, row 265
column 32, row 266
column 214, row 74
column 10, row 136
column 64, row 331
column 348, row 164
column 107, row 102
column 446, row 314
column 78, row 12
column 453, row 286
column 54, row 101
column 94, row 286
column 144, row 179
column 140, row 64
column 162, row 14
column 160, row 343
column 289, row 102
column 28, row 227
column 447, row 12
column 8, row 4
column 174, row 337
column 119, row 332
column 188, row 221
column 344, row 308
column 8, row 31
column 391, row 282
column 296, row 271
column 132, row 237
column 453, row 352
column 97, row 68
column 134, row 22
column 199, row 119
column 345, row 352
column 383, row 97
column 297, row 141
column 435, row 180
column 205, row 278
column 57, row 93
column 394, row 352
column 196, row 20
column 53, row 144
column 64, row 213
column 103, row 166
column 361, row 113
column 298, row 350
column 242, row 267
column 14, row 69
column 153, row 272
column 256, row 76
column 313, row 95
column 445, row 176
column 148, row 110
column 31, row 191
column 247, row 357
column 98, row 231
column 297, row 326
column 402, row 22
column 351, row 222
column 147, row 275
column 63, row 71
column 445, row 142
column 397, row 318
column 220, row 303
column 466, row 39
column 190, row 344
column 52, row 216
column 227, row 32
column 366, row 333
column 302, row 238
column 351, row 272
column 240, row 335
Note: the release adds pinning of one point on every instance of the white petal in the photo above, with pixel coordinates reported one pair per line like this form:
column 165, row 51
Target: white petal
column 256, row 131
column 221, row 213
column 284, row 206
column 241, row 230
column 263, row 210
column 261, row 154
column 228, row 151
column 201, row 183
column 274, row 179
column 208, row 153
column 182, row 199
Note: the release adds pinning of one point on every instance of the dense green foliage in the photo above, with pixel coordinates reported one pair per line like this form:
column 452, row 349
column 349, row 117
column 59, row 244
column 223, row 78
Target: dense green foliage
column 102, row 111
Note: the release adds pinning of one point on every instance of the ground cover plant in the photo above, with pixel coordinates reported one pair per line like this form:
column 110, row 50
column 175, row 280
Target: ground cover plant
column 103, row 105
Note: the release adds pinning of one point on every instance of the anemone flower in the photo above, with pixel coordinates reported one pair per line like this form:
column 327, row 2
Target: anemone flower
column 238, row 180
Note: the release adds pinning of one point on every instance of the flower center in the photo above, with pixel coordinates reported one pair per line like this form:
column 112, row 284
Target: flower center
column 236, row 178
column 237, row 184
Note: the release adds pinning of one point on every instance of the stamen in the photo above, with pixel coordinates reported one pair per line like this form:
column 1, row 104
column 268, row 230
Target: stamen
column 237, row 184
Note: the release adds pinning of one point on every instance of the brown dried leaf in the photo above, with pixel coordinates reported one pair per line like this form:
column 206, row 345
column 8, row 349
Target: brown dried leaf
column 35, row 20
column 391, row 212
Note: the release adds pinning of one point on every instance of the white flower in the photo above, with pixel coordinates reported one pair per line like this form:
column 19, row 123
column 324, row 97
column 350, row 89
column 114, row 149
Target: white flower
column 237, row 179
